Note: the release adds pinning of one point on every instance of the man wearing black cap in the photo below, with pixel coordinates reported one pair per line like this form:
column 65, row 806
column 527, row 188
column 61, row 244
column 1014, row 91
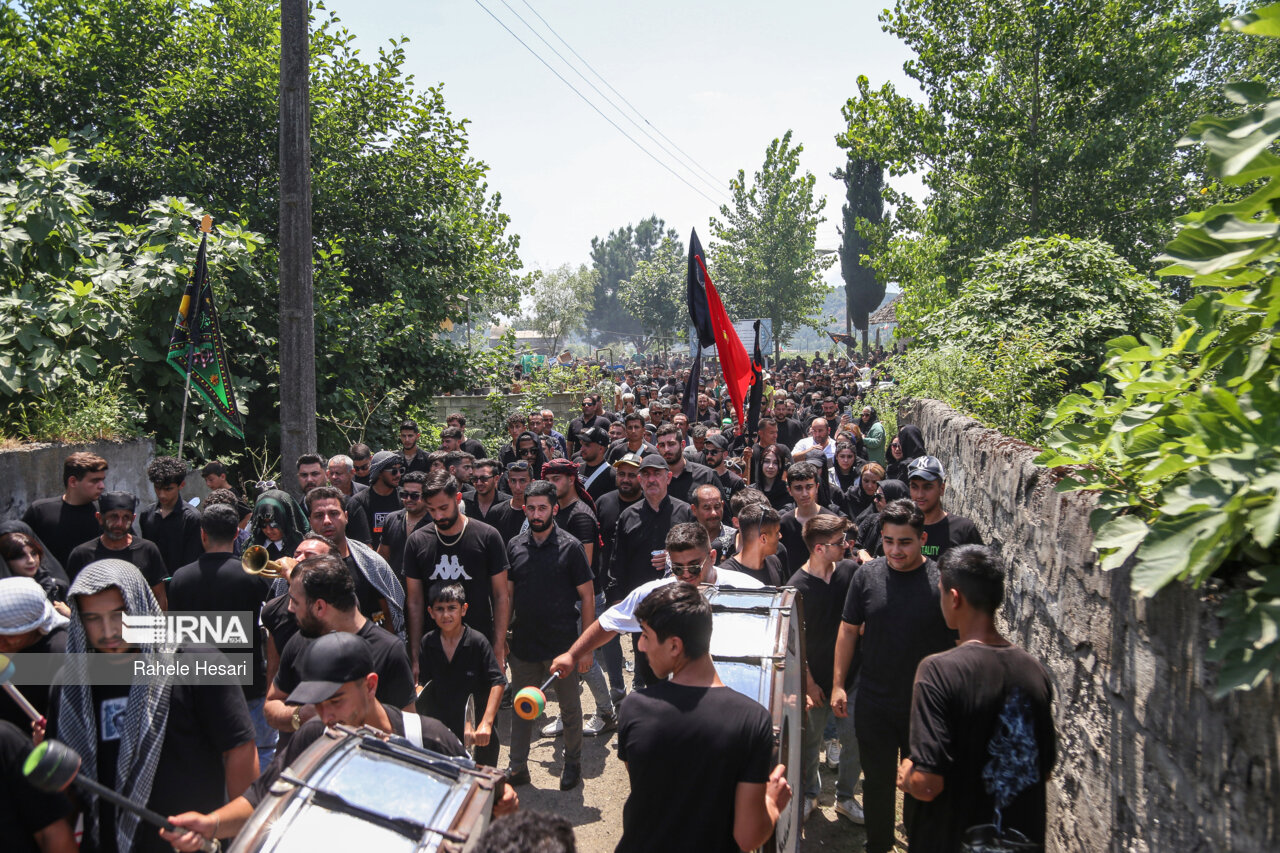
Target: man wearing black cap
column 115, row 517
column 339, row 680
column 597, row 474
column 928, row 482
column 382, row 497
column 715, row 454
column 322, row 596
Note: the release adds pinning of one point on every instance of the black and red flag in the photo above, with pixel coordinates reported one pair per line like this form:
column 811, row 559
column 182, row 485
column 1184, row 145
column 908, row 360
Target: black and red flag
column 714, row 327
column 757, row 385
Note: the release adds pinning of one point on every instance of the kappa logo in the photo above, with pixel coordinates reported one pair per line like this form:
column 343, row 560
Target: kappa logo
column 449, row 569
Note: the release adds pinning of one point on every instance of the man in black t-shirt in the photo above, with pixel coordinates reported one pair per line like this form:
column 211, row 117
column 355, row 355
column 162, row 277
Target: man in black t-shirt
column 339, row 677
column 509, row 519
column 190, row 753
column 278, row 620
column 823, row 583
column 487, row 503
column 63, row 523
column 927, row 480
column 171, row 523
column 697, row 752
column 456, row 548
column 802, row 485
column 549, row 575
column 118, row 542
column 411, row 455
column 597, row 473
column 758, row 533
column 979, row 711
column 685, row 474
column 217, row 581
column 399, row 524
column 592, row 416
column 636, row 440
column 892, row 613
column 322, row 598
column 382, row 497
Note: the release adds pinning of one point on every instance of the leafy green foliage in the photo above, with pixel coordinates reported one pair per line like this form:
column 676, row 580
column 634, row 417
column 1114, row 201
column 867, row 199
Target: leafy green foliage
column 764, row 263
column 1074, row 294
column 1182, row 442
column 1007, row 385
column 80, row 295
column 615, row 258
column 655, row 294
column 1039, row 119
column 179, row 98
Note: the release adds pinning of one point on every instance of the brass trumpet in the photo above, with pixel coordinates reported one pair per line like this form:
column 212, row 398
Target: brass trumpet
column 256, row 561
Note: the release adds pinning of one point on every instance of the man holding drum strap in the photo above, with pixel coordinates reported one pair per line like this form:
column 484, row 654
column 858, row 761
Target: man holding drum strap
column 697, row 752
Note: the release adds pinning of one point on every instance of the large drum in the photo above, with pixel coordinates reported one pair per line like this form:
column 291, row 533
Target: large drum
column 354, row 790
column 758, row 650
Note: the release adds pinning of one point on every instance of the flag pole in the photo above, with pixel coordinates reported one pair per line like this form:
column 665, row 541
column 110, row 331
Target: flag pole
column 206, row 226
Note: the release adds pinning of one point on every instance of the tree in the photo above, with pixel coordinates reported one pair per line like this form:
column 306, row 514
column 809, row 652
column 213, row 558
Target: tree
column 559, row 302
column 863, row 210
column 655, row 293
column 615, row 258
column 764, row 259
column 180, row 99
column 1040, row 119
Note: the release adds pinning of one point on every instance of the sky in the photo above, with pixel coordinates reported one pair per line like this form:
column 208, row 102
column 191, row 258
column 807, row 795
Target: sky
column 719, row 79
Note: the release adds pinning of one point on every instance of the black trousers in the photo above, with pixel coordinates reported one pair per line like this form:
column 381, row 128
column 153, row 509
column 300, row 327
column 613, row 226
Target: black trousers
column 883, row 737
column 643, row 676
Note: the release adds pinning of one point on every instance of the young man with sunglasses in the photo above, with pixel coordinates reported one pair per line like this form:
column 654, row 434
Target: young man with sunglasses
column 402, row 522
column 690, row 559
column 510, row 520
column 382, row 497
column 486, row 502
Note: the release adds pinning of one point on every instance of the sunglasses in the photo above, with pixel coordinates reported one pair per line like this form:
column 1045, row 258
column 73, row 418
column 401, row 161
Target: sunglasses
column 682, row 569
column 410, row 496
column 394, row 469
column 481, row 478
column 518, row 466
column 528, row 451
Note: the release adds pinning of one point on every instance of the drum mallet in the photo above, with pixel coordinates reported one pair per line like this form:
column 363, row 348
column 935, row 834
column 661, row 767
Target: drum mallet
column 53, row 766
column 529, row 702
column 6, row 675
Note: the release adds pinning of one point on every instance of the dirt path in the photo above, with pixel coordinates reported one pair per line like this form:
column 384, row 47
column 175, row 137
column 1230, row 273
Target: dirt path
column 595, row 808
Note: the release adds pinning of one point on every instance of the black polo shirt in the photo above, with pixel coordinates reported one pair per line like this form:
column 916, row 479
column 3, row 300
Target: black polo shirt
column 693, row 475
column 579, row 521
column 545, row 577
column 641, row 530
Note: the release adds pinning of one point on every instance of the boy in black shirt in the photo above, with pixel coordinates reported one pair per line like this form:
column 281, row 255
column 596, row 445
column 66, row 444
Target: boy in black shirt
column 456, row 662
column 823, row 583
column 760, row 531
column 927, row 480
column 697, row 752
column 983, row 708
column 171, row 523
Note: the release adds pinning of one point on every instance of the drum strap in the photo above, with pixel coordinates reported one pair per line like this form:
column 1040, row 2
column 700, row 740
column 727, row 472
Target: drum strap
column 413, row 729
column 595, row 473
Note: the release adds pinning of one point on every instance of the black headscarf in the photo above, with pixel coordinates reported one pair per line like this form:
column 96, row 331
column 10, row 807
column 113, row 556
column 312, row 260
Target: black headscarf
column 538, row 461
column 911, row 440
column 51, row 576
column 280, row 507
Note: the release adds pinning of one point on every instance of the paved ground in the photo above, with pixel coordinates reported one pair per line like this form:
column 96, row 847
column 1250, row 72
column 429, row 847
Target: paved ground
column 595, row 808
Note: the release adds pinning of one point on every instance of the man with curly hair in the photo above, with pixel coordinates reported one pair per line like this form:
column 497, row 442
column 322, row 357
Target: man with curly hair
column 171, row 523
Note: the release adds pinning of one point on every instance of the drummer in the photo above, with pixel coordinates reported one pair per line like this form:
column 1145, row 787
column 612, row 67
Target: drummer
column 338, row 678
column 690, row 559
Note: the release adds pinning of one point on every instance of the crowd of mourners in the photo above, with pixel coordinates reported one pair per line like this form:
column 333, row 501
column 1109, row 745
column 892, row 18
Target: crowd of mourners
column 413, row 579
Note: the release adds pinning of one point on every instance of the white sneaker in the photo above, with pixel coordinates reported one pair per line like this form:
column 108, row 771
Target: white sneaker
column 850, row 810
column 553, row 728
column 810, row 803
column 598, row 724
column 833, row 753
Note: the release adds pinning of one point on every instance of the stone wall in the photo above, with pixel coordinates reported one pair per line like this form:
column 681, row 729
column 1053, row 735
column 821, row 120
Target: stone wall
column 1148, row 759
column 34, row 471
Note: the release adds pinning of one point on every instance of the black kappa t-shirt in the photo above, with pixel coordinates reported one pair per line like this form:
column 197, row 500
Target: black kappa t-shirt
column 470, row 558
column 390, row 662
column 951, row 531
column 687, row 749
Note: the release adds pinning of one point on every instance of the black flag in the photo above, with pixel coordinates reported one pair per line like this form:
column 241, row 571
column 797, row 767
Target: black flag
column 757, row 385
column 699, row 310
column 691, row 387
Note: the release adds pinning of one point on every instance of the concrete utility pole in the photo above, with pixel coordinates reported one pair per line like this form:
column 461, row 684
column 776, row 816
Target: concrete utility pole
column 297, row 311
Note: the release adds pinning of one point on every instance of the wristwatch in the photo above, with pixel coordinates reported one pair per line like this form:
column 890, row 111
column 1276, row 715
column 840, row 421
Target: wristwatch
column 297, row 719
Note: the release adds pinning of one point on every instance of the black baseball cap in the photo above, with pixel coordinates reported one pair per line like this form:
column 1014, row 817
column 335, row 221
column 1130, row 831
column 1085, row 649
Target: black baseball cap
column 926, row 468
column 328, row 663
column 654, row 460
column 718, row 441
column 595, row 435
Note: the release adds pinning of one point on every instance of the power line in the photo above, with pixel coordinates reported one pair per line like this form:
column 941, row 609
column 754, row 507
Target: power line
column 711, row 183
column 619, row 94
column 588, row 102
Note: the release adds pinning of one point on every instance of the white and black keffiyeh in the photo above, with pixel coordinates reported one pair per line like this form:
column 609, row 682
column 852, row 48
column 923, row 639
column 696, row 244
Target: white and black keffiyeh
column 25, row 607
column 147, row 713
column 378, row 573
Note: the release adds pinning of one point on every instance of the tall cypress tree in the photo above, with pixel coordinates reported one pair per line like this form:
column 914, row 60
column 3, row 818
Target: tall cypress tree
column 864, row 186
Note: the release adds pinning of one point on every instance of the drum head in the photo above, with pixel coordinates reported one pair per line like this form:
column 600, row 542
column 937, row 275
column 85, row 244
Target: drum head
column 469, row 725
